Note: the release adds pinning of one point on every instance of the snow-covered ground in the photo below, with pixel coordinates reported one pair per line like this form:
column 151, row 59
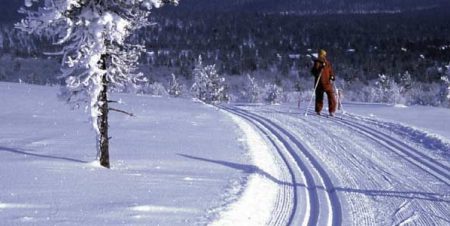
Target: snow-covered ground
column 180, row 162
column 433, row 120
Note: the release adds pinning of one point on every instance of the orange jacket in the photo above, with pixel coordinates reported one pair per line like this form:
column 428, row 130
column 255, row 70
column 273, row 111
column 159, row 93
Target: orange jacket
column 322, row 65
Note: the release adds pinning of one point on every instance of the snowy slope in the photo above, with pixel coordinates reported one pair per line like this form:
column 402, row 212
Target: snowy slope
column 180, row 162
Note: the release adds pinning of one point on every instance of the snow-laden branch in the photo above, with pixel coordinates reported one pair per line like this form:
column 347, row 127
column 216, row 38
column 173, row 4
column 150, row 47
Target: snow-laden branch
column 89, row 30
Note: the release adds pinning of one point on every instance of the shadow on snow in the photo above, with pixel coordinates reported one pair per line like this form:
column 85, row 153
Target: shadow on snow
column 251, row 169
column 27, row 153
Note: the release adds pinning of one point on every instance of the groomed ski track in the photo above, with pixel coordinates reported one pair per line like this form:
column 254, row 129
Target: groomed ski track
column 348, row 170
column 322, row 206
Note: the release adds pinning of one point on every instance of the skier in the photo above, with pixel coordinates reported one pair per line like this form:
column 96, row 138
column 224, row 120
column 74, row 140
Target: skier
column 324, row 76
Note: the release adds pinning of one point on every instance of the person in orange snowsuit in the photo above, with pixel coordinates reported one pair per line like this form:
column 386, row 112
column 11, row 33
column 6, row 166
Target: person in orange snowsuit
column 322, row 68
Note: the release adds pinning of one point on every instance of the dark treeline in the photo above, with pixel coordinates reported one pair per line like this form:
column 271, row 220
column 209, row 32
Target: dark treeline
column 9, row 8
column 359, row 45
column 303, row 6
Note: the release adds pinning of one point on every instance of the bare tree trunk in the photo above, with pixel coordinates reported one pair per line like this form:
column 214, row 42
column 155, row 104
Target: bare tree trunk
column 103, row 118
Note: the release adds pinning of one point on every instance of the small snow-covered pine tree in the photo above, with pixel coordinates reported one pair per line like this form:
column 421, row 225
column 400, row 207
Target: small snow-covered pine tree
column 208, row 85
column 405, row 82
column 218, row 89
column 174, row 87
column 448, row 88
column 388, row 90
column 252, row 91
column 446, row 79
column 95, row 54
column 199, row 88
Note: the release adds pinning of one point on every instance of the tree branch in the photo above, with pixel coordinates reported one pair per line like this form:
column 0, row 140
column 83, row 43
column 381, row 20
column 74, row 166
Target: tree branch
column 121, row 111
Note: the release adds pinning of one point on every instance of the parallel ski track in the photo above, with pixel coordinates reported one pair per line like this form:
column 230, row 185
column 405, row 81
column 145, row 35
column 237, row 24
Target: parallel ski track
column 335, row 210
column 399, row 147
column 284, row 199
column 386, row 125
column 311, row 195
column 412, row 155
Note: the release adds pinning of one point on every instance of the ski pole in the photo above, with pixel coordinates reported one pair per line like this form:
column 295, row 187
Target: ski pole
column 313, row 94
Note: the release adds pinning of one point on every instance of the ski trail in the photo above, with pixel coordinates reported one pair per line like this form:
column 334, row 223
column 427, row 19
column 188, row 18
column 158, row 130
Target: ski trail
column 333, row 210
column 409, row 220
column 431, row 206
column 430, row 141
column 267, row 197
column 311, row 212
column 284, row 205
column 412, row 155
column 396, row 145
column 284, row 210
column 333, row 201
column 374, row 184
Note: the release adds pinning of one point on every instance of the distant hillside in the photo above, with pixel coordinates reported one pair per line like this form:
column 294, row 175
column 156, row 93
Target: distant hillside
column 307, row 6
column 8, row 9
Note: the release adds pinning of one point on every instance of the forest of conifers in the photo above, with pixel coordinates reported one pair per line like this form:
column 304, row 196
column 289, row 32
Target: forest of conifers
column 361, row 46
column 358, row 45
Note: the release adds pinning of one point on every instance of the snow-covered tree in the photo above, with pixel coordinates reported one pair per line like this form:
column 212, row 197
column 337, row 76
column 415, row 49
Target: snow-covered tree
column 208, row 85
column 405, row 82
column 388, row 90
column 273, row 93
column 252, row 91
column 174, row 86
column 446, row 79
column 201, row 80
column 96, row 56
column 153, row 88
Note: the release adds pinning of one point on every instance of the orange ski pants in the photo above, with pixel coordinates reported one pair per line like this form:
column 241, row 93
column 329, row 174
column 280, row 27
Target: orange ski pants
column 331, row 98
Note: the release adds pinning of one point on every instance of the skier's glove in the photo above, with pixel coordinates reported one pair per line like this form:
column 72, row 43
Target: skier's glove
column 332, row 78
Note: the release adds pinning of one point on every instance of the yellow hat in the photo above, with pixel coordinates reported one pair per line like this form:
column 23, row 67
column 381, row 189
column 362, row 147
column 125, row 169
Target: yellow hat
column 322, row 52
